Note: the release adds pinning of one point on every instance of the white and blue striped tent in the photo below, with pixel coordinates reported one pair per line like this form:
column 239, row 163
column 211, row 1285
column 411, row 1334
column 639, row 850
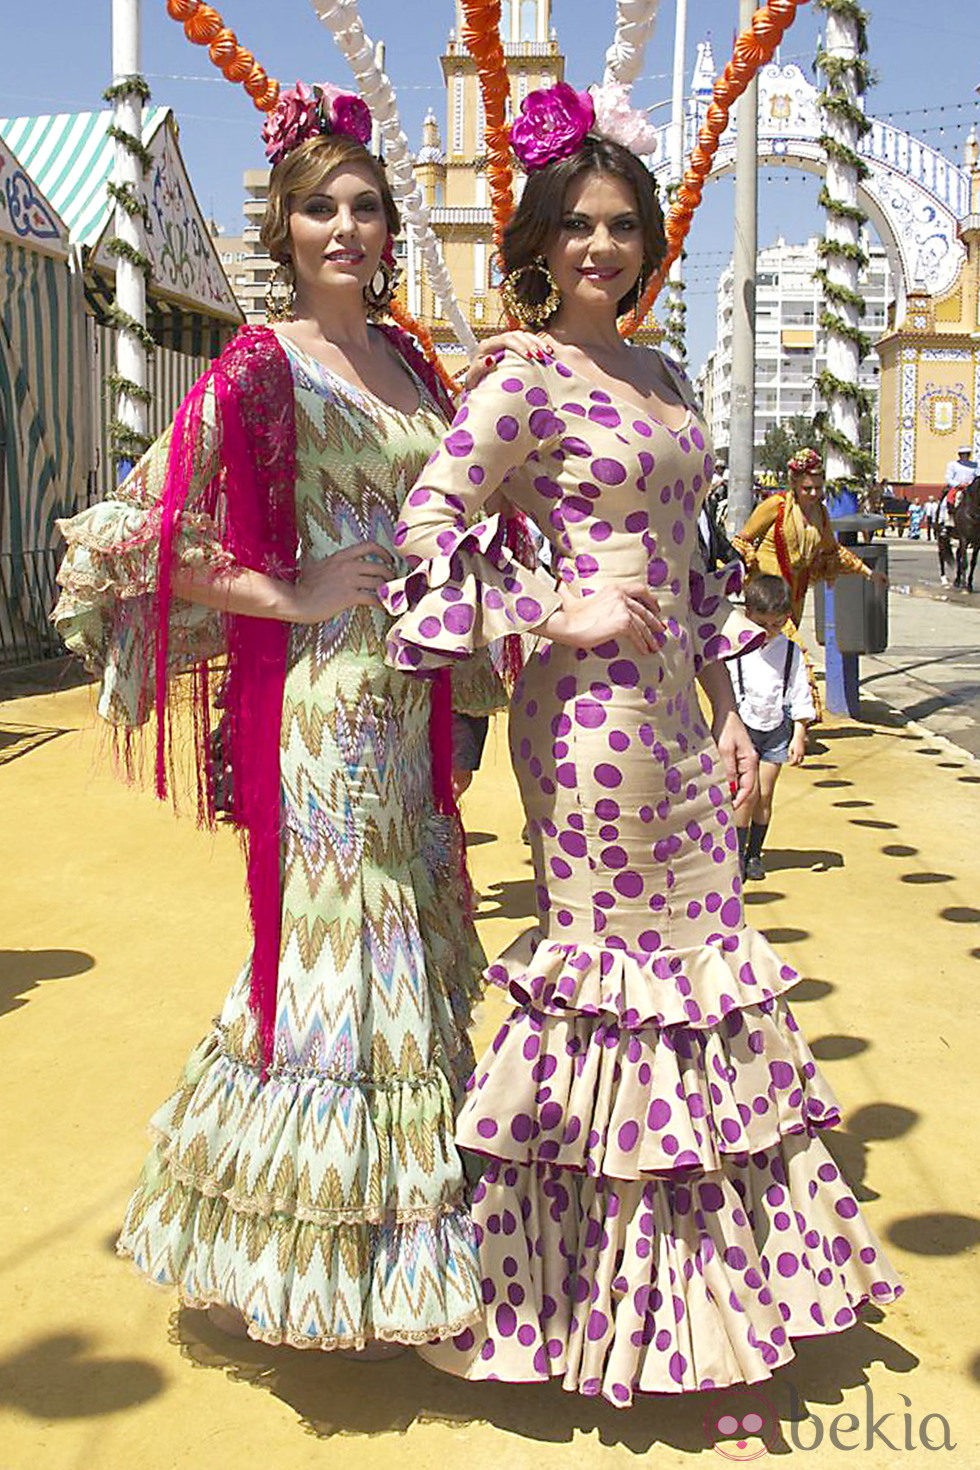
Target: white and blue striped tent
column 70, row 156
column 53, row 292
column 43, row 389
column 42, row 361
column 191, row 309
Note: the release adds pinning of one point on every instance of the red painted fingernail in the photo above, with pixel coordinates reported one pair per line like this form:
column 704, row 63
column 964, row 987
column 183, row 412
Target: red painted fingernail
column 488, row 361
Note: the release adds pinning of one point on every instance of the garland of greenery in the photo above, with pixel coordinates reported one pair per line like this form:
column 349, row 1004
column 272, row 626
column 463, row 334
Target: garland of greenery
column 853, row 13
column 127, row 443
column 841, row 295
column 133, row 144
column 846, row 77
column 119, row 384
column 124, row 251
column 675, row 326
column 674, row 334
column 831, row 322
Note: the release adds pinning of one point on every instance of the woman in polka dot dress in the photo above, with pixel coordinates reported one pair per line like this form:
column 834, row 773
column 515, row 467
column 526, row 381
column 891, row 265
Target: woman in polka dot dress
column 657, row 1211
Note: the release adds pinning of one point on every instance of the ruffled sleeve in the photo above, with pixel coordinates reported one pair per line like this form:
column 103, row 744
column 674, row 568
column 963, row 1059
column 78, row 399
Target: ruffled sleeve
column 465, row 588
column 720, row 630
column 109, row 577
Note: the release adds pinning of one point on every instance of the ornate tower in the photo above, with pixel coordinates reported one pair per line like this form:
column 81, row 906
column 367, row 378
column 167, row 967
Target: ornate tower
column 461, row 212
column 930, row 364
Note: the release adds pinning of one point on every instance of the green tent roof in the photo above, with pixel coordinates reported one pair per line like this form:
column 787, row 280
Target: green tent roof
column 70, row 155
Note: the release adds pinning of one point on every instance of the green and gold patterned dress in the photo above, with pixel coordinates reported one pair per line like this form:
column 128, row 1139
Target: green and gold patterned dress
column 326, row 1201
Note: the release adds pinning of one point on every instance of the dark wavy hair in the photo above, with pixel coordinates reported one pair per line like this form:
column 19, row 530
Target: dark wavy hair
column 535, row 223
column 767, row 594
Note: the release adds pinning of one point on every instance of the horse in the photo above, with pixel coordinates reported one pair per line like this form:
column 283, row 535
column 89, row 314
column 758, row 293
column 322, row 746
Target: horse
column 966, row 531
column 946, row 550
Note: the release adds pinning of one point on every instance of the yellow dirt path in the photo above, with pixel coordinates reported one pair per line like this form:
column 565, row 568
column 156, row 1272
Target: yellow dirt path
column 121, row 930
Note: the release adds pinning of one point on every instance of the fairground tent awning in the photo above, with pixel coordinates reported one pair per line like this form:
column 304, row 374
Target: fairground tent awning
column 42, row 425
column 70, row 155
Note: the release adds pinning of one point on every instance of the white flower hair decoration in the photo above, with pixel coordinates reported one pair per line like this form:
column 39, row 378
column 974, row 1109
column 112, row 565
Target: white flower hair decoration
column 616, row 119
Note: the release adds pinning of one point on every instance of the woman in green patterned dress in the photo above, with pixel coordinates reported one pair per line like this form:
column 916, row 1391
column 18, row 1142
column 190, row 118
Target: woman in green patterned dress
column 304, row 1185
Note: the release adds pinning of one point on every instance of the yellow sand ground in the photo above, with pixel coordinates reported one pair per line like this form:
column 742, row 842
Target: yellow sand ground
column 121, row 931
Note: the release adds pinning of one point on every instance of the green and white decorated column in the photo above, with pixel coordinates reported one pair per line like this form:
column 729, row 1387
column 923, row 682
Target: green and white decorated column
column 127, row 94
column 675, row 325
column 845, row 69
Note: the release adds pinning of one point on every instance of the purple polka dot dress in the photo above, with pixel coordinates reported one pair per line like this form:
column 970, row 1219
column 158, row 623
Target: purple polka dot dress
column 657, row 1212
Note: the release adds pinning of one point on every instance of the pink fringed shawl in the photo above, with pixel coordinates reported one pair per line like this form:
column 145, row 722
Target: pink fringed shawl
column 252, row 500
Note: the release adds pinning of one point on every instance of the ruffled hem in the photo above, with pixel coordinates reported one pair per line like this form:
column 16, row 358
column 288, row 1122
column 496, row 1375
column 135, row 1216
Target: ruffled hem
column 590, row 1096
column 321, row 1150
column 473, row 592
column 718, row 629
column 696, row 987
column 663, row 1286
column 303, row 1284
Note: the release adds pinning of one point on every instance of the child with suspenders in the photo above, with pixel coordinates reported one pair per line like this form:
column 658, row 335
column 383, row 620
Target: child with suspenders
column 775, row 705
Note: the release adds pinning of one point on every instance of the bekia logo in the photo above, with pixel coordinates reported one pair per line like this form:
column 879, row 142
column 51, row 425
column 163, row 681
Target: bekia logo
column 738, row 1426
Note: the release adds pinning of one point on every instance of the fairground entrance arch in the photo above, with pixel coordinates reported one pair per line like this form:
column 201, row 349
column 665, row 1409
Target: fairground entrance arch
column 919, row 203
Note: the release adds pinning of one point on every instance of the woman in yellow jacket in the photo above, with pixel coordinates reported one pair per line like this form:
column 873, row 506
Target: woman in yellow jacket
column 790, row 536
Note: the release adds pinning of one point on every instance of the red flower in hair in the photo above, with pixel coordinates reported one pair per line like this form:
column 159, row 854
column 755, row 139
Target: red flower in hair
column 307, row 112
column 295, row 117
column 348, row 113
column 805, row 462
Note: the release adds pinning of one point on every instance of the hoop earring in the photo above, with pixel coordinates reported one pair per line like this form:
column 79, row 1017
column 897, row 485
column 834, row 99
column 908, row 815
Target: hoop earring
column 634, row 298
column 526, row 312
column 280, row 297
column 381, row 288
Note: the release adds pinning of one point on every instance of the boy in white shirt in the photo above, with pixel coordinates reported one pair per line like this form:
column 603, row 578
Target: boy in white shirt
column 775, row 705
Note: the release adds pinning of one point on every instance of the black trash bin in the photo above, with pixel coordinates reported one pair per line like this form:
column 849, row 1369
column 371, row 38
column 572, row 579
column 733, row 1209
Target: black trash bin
column 860, row 607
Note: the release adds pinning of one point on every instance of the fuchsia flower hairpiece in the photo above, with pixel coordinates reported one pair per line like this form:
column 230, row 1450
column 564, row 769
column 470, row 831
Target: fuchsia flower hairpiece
column 805, row 462
column 553, row 123
column 308, row 112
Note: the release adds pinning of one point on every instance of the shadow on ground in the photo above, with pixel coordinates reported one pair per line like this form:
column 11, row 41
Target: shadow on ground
column 64, row 1377
column 18, row 740
column 816, row 859
column 22, row 970
column 511, row 899
column 332, row 1396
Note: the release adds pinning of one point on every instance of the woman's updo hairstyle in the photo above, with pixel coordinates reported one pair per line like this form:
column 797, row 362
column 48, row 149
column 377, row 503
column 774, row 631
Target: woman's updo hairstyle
column 535, row 223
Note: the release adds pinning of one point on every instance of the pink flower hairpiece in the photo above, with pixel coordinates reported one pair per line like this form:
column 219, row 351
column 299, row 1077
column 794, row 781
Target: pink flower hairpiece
column 805, row 462
column 553, row 123
column 616, row 119
column 304, row 112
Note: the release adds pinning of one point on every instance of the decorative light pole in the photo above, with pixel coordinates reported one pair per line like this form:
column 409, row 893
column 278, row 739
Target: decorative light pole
column 845, row 68
column 128, row 313
column 674, row 327
column 741, row 454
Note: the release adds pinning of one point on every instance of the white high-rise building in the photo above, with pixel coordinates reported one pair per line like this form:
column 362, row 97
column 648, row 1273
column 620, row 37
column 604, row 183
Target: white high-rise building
column 791, row 345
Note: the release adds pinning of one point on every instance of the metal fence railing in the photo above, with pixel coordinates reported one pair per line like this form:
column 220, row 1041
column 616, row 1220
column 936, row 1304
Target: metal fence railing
column 28, row 592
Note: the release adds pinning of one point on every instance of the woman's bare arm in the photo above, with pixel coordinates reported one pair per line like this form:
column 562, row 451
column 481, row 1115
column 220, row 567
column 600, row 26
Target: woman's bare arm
column 349, row 578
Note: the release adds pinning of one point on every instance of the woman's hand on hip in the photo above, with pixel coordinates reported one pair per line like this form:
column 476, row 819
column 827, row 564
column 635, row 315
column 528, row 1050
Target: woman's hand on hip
column 738, row 755
column 631, row 613
column 348, row 578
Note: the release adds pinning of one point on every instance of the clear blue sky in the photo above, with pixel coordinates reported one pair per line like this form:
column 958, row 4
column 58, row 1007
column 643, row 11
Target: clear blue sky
column 56, row 58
